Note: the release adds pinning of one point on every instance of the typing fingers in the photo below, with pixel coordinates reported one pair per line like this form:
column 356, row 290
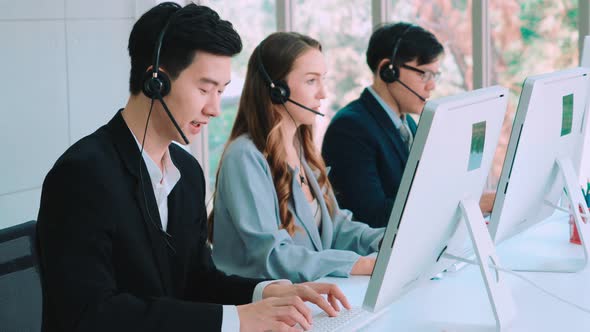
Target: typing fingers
column 333, row 302
column 294, row 308
column 328, row 289
column 317, row 299
column 337, row 293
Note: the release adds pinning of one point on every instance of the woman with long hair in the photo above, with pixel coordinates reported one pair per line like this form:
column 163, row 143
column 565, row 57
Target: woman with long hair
column 275, row 215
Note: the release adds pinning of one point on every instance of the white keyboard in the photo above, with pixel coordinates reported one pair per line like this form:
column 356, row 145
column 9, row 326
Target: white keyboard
column 347, row 320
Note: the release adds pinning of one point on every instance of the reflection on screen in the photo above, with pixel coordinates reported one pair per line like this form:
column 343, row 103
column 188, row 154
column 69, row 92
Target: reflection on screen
column 478, row 139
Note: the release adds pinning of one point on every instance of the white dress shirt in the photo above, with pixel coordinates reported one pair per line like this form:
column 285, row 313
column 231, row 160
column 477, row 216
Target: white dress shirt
column 163, row 181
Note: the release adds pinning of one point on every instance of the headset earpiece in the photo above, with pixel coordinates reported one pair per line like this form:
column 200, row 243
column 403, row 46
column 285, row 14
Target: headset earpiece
column 280, row 92
column 154, row 85
column 155, row 81
column 389, row 73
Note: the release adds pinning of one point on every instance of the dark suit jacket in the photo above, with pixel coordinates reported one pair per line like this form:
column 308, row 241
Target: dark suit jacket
column 367, row 158
column 105, row 265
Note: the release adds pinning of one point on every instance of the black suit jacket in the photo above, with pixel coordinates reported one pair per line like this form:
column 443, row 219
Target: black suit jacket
column 367, row 158
column 105, row 263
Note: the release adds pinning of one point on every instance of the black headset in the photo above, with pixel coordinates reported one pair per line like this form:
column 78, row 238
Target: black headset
column 156, row 82
column 390, row 73
column 279, row 90
column 156, row 85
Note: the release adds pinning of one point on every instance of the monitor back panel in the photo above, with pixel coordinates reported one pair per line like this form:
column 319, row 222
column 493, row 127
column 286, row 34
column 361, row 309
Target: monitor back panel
column 449, row 161
column 547, row 125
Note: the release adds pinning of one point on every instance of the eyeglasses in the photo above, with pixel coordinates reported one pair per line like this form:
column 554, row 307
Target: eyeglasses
column 426, row 75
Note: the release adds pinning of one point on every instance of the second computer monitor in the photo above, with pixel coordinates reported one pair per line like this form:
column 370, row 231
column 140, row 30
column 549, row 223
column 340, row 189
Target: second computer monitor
column 547, row 136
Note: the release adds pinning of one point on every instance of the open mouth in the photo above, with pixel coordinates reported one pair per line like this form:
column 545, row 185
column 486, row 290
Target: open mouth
column 197, row 124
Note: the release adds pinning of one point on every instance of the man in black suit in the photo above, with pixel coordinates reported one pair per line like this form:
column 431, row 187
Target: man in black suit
column 367, row 142
column 122, row 223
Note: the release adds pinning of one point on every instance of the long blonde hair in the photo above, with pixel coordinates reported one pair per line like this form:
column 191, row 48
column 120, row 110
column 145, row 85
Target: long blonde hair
column 257, row 118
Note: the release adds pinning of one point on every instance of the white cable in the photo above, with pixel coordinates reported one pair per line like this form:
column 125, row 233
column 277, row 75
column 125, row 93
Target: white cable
column 499, row 268
column 559, row 208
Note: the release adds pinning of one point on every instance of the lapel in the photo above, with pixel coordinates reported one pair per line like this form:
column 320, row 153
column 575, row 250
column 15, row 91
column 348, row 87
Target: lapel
column 301, row 209
column 327, row 224
column 175, row 209
column 384, row 121
column 144, row 195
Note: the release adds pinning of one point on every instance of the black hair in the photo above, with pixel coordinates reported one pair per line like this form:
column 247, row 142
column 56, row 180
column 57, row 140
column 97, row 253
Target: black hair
column 191, row 28
column 416, row 44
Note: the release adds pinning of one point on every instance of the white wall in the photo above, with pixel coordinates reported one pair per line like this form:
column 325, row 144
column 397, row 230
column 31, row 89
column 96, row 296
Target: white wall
column 65, row 70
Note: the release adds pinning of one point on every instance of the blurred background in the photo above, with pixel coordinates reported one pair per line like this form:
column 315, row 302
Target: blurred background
column 67, row 65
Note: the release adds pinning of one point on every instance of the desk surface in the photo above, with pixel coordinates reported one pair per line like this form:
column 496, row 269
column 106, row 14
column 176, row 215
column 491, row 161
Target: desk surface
column 459, row 303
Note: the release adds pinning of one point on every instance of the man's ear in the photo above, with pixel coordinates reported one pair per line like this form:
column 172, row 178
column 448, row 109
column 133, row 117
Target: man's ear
column 383, row 62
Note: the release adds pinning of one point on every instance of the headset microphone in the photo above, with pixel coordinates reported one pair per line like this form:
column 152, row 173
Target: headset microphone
column 412, row 91
column 159, row 97
column 305, row 107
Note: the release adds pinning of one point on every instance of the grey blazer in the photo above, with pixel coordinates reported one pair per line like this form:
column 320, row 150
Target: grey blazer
column 248, row 241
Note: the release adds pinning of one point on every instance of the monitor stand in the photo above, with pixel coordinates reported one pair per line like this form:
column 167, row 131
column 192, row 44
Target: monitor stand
column 575, row 201
column 499, row 293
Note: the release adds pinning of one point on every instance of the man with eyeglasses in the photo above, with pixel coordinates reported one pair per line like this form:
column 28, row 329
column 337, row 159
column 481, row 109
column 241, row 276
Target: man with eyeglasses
column 367, row 143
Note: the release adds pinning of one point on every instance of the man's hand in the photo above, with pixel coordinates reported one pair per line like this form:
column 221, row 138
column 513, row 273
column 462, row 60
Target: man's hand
column 283, row 306
column 274, row 314
column 311, row 292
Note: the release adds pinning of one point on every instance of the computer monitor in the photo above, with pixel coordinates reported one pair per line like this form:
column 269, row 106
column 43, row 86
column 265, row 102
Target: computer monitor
column 542, row 162
column 440, row 189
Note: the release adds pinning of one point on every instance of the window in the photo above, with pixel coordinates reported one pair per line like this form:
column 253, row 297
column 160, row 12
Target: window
column 253, row 20
column 343, row 28
column 529, row 37
column 450, row 22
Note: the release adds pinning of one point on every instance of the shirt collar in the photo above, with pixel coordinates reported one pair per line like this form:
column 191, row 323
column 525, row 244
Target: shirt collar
column 397, row 120
column 160, row 180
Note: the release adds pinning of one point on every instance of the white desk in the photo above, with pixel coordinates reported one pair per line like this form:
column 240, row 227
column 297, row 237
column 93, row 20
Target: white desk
column 459, row 301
